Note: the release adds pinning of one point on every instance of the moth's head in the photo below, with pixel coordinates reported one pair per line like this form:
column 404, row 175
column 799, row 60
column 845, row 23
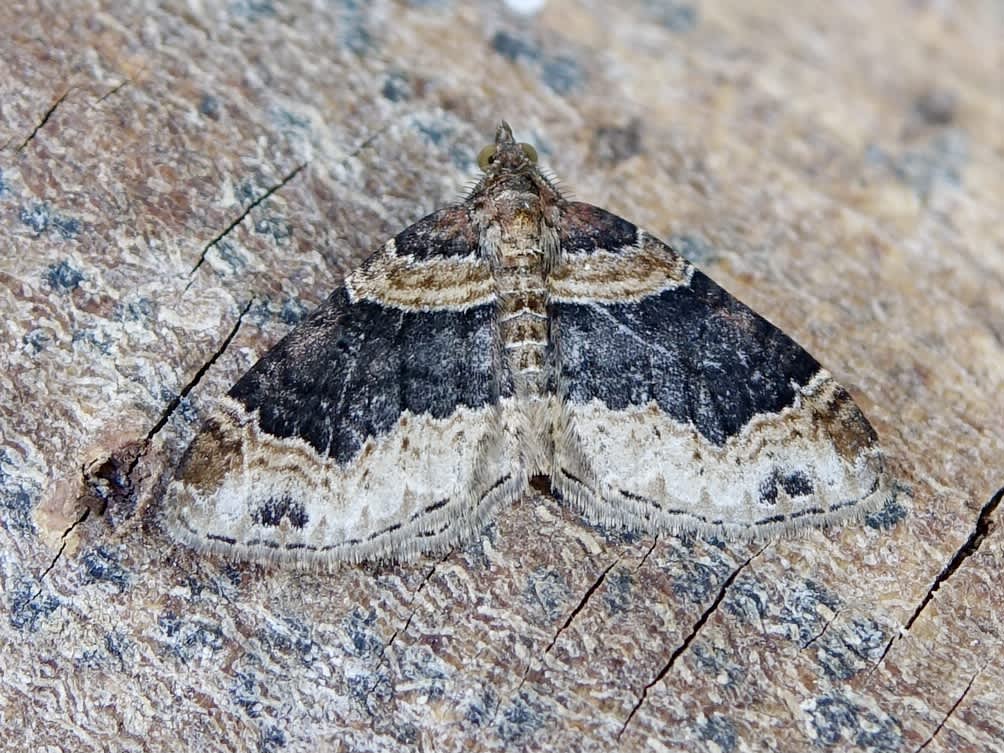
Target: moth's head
column 511, row 167
column 505, row 155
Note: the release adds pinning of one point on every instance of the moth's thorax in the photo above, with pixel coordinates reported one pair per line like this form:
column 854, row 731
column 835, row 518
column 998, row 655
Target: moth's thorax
column 501, row 186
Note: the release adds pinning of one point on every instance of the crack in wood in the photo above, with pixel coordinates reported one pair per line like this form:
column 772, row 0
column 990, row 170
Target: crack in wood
column 62, row 548
column 969, row 547
column 951, row 711
column 114, row 90
column 176, row 401
column 967, row 550
column 578, row 608
column 94, row 503
column 568, row 621
column 414, row 607
column 655, row 540
column 240, row 218
column 822, row 631
column 364, row 144
column 678, row 651
column 382, row 658
column 368, row 141
column 45, row 119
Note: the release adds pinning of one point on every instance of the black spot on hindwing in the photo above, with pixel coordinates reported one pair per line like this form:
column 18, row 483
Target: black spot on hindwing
column 273, row 511
column 794, row 483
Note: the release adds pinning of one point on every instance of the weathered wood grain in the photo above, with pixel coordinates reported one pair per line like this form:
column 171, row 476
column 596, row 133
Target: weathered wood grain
column 181, row 182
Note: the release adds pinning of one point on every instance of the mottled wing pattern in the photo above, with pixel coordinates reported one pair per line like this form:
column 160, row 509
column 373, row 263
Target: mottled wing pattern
column 372, row 428
column 683, row 409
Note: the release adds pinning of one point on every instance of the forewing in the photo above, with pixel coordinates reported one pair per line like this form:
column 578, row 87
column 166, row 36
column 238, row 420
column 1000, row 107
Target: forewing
column 683, row 409
column 371, row 429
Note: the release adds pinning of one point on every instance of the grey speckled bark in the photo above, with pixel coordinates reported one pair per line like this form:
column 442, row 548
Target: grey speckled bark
column 179, row 187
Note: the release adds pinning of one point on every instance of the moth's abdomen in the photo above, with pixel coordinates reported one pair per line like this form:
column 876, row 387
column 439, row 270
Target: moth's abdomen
column 523, row 324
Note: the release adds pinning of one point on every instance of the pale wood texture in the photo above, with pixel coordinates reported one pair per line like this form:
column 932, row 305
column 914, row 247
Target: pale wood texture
column 182, row 181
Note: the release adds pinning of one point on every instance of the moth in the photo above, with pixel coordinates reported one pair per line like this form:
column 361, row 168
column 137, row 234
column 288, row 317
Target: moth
column 516, row 335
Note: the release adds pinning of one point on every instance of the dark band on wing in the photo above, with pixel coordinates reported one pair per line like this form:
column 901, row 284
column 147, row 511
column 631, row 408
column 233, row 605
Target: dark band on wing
column 585, row 229
column 701, row 355
column 445, row 233
column 349, row 371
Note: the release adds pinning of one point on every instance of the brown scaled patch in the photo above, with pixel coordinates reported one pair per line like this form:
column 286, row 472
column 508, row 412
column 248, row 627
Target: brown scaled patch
column 527, row 358
column 526, row 329
column 213, row 454
column 525, row 301
column 845, row 424
column 437, row 283
column 520, row 224
column 615, row 277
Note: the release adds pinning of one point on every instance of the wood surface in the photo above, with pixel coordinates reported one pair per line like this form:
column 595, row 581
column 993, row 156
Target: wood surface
column 181, row 182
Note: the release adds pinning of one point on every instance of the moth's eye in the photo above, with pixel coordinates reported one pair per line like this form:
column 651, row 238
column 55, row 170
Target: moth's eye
column 530, row 152
column 486, row 156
